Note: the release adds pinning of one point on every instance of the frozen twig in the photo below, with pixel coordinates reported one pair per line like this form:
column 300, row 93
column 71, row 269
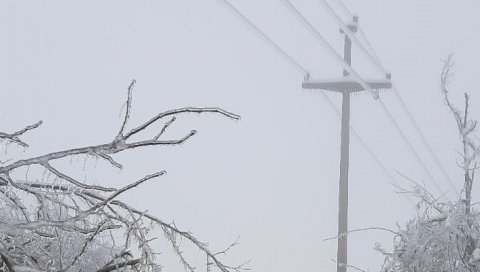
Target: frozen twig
column 68, row 216
column 15, row 137
column 345, row 234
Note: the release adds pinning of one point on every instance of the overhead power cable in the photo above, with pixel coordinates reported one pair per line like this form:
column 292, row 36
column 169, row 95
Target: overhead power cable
column 304, row 72
column 424, row 140
column 352, row 37
column 365, row 145
column 370, row 47
column 267, row 39
column 360, row 30
column 344, row 7
column 360, row 80
column 370, row 54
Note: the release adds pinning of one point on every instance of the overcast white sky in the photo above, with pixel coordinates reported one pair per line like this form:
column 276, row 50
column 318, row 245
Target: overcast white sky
column 272, row 177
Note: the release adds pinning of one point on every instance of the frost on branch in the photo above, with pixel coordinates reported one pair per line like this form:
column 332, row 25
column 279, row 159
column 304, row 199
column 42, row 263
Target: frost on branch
column 444, row 236
column 440, row 238
column 64, row 224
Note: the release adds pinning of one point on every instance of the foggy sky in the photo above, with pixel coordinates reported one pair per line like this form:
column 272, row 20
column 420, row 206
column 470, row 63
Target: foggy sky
column 271, row 178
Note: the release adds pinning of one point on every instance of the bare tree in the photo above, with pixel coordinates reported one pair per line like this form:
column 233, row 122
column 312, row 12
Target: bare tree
column 60, row 223
column 445, row 235
column 470, row 149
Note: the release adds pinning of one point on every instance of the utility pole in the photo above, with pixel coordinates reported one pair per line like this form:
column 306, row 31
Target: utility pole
column 346, row 86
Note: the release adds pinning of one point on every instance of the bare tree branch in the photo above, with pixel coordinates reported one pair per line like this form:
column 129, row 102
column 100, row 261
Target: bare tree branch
column 129, row 105
column 119, row 265
column 7, row 262
column 345, row 234
column 67, row 220
column 14, row 137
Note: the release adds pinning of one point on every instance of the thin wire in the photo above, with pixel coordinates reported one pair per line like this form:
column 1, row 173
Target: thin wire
column 412, row 149
column 424, row 140
column 357, row 78
column 317, row 35
column 370, row 53
column 377, row 64
column 370, row 47
column 269, row 41
column 365, row 145
column 303, row 71
column 344, row 7
column 361, row 32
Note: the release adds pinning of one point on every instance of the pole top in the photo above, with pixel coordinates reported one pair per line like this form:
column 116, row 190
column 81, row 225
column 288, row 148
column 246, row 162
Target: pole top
column 353, row 25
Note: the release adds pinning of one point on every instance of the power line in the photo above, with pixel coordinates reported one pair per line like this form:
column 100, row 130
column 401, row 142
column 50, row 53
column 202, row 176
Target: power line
column 377, row 64
column 303, row 71
column 367, row 148
column 360, row 31
column 412, row 149
column 357, row 78
column 371, row 55
column 370, row 47
column 424, row 140
column 320, row 38
column 344, row 7
column 267, row 39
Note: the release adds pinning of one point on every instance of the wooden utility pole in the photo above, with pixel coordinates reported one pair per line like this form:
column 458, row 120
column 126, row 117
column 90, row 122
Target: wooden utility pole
column 346, row 86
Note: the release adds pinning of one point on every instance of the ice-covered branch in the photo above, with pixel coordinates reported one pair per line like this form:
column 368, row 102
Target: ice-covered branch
column 68, row 223
column 15, row 137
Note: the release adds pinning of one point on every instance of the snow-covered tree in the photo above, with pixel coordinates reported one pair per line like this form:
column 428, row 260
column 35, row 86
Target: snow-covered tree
column 55, row 222
column 443, row 236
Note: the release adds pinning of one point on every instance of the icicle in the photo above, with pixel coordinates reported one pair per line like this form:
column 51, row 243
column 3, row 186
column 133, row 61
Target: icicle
column 85, row 162
column 43, row 174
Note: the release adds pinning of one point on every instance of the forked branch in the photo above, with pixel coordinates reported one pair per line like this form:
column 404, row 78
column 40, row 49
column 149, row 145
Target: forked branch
column 68, row 207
